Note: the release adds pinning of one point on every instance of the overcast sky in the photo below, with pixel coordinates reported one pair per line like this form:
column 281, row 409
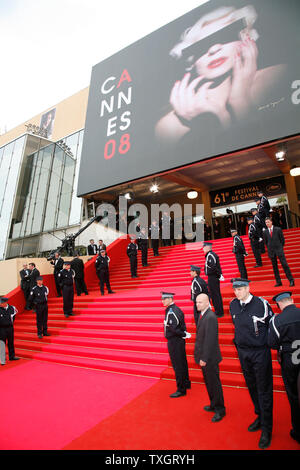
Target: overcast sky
column 48, row 47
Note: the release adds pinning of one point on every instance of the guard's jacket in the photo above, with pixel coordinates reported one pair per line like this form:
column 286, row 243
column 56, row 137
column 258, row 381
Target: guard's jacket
column 198, row 286
column 254, row 233
column 212, row 265
column 102, row 263
column 238, row 246
column 7, row 316
column 251, row 322
column 259, row 222
column 38, row 295
column 264, row 206
column 132, row 250
column 284, row 330
column 174, row 323
column 65, row 277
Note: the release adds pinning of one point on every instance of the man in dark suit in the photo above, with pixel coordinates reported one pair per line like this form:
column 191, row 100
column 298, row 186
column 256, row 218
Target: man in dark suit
column 92, row 248
column 207, row 354
column 101, row 246
column 274, row 240
column 58, row 264
column 34, row 274
column 25, row 283
column 78, row 267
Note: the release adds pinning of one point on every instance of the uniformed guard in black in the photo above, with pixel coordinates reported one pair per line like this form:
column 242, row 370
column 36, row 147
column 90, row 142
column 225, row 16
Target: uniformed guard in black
column 143, row 246
column 264, row 205
column 284, row 335
column 240, row 252
column 78, row 267
column 7, row 316
column 66, row 280
column 260, row 224
column 175, row 333
column 214, row 275
column 132, row 251
column 58, row 264
column 38, row 298
column 102, row 270
column 254, row 237
column 251, row 316
column 198, row 286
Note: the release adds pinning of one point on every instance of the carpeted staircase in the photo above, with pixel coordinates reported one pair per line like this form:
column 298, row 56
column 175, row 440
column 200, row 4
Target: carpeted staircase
column 123, row 332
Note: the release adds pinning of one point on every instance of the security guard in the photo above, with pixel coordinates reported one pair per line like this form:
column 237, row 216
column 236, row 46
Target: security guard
column 240, row 252
column 78, row 267
column 58, row 264
column 38, row 298
column 284, row 335
column 214, row 276
column 260, row 224
column 66, row 277
column 198, row 286
column 102, row 270
column 251, row 316
column 255, row 240
column 175, row 333
column 143, row 246
column 132, row 252
column 7, row 316
column 264, row 204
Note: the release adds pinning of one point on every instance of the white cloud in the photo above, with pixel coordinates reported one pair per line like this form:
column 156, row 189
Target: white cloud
column 48, row 47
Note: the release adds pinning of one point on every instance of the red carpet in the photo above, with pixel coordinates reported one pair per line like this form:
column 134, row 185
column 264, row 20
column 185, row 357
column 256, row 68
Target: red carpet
column 123, row 333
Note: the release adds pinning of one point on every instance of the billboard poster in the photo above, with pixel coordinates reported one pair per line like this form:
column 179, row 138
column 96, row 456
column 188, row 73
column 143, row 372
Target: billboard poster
column 47, row 122
column 223, row 77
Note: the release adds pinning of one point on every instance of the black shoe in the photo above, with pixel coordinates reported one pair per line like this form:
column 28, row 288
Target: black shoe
column 71, row 314
column 208, row 408
column 278, row 284
column 66, row 315
column 111, row 292
column 218, row 416
column 178, row 394
column 295, row 436
column 258, row 266
column 188, row 386
column 40, row 336
column 14, row 358
column 265, row 440
column 292, row 283
column 47, row 334
column 255, row 426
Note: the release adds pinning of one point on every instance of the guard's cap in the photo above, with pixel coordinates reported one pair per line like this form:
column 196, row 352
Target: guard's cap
column 166, row 295
column 250, row 217
column 39, row 278
column 102, row 251
column 233, row 230
column 257, row 199
column 281, row 296
column 195, row 268
column 3, row 300
column 67, row 262
column 207, row 244
column 239, row 282
column 254, row 209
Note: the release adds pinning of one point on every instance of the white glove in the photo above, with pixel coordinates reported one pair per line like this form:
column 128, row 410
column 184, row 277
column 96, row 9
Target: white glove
column 187, row 335
column 260, row 239
column 222, row 278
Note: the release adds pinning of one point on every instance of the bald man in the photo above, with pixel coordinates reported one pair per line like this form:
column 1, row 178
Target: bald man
column 207, row 354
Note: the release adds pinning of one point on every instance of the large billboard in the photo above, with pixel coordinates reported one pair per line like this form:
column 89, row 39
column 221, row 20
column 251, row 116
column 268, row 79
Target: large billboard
column 223, row 77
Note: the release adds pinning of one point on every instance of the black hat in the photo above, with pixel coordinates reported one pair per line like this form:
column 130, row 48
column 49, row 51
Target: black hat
column 250, row 217
column 257, row 199
column 67, row 262
column 282, row 295
column 239, row 282
column 253, row 209
column 207, row 244
column 166, row 295
column 233, row 230
column 3, row 300
column 103, row 250
column 195, row 268
column 39, row 278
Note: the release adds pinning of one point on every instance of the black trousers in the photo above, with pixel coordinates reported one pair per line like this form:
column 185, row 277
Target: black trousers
column 215, row 294
column 290, row 375
column 68, row 299
column 57, row 285
column 211, row 375
column 284, row 264
column 144, row 251
column 240, row 259
column 196, row 314
column 7, row 335
column 103, row 276
column 155, row 245
column 80, row 286
column 177, row 353
column 255, row 245
column 256, row 365
column 133, row 265
column 41, row 318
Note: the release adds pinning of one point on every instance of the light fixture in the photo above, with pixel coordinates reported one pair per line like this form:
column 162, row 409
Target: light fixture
column 154, row 188
column 280, row 155
column 295, row 171
column 192, row 194
column 127, row 195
